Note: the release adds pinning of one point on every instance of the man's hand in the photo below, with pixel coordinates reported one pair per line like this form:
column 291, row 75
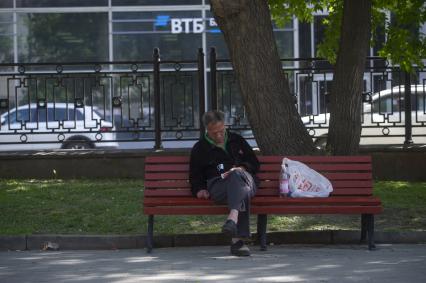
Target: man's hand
column 203, row 194
column 241, row 168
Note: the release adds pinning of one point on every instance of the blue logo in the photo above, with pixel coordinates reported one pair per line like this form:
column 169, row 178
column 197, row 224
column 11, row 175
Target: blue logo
column 161, row 20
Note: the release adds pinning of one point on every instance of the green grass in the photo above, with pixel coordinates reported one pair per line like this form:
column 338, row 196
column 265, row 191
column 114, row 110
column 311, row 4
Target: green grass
column 70, row 206
column 114, row 207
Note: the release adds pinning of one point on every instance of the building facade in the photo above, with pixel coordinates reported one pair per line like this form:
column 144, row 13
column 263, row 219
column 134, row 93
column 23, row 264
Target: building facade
column 114, row 31
column 122, row 30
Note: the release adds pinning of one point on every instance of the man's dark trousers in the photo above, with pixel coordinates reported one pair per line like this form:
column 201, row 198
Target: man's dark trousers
column 235, row 190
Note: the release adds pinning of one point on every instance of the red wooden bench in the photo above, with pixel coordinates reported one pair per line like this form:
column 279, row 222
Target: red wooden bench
column 167, row 192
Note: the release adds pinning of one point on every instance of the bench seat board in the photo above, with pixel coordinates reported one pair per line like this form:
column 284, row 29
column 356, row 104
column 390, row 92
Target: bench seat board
column 213, row 210
column 191, row 201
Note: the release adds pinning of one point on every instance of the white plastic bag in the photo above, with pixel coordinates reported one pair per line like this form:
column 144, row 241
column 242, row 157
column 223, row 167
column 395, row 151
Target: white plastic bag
column 306, row 182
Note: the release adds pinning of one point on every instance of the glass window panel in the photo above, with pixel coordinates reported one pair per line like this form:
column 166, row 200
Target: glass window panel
column 216, row 40
column 155, row 2
column 41, row 115
column 319, row 31
column 305, row 40
column 60, row 3
column 215, row 37
column 136, row 34
column 75, row 114
column 285, row 40
column 6, row 4
column 23, row 115
column 6, row 38
column 70, row 37
column 283, row 36
column 285, row 44
column 6, row 23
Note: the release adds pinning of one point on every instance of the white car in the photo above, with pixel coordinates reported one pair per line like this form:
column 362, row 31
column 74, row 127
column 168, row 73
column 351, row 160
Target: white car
column 383, row 119
column 54, row 126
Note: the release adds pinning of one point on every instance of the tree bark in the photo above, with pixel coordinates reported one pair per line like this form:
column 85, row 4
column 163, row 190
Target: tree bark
column 346, row 93
column 265, row 92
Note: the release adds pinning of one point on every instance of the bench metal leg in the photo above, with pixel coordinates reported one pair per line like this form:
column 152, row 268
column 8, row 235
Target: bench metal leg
column 262, row 220
column 363, row 228
column 149, row 235
column 370, row 231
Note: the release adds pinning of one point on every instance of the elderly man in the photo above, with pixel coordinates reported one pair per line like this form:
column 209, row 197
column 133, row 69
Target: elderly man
column 223, row 168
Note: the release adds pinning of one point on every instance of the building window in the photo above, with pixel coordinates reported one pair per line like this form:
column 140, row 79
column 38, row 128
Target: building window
column 155, row 2
column 6, row 37
column 6, row 4
column 62, row 37
column 136, row 34
column 60, row 3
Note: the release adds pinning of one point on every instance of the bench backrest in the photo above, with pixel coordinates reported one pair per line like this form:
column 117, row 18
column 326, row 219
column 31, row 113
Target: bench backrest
column 350, row 175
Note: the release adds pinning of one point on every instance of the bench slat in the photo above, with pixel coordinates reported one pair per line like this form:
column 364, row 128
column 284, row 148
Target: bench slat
column 155, row 178
column 167, row 184
column 166, row 176
column 270, row 159
column 263, row 184
column 371, row 200
column 347, row 176
column 336, row 184
column 338, row 209
column 265, row 172
column 212, row 210
column 317, row 159
column 319, row 167
column 190, row 201
column 273, row 192
column 166, row 159
column 167, row 168
column 338, row 192
column 167, row 193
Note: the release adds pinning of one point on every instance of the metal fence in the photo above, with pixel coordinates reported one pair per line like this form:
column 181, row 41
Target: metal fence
column 107, row 104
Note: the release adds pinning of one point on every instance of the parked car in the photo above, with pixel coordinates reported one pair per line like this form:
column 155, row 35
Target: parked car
column 54, row 126
column 383, row 120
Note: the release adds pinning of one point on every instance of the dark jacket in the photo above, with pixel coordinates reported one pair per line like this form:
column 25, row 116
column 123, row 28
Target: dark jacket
column 205, row 157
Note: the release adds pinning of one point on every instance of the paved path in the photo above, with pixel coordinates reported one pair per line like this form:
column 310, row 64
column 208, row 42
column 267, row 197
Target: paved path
column 286, row 263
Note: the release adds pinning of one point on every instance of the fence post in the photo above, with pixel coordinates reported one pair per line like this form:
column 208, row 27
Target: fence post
column 407, row 109
column 213, row 82
column 202, row 100
column 157, row 107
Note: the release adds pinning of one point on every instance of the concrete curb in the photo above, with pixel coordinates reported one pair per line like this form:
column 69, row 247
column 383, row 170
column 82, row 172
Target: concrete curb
column 112, row 242
column 13, row 243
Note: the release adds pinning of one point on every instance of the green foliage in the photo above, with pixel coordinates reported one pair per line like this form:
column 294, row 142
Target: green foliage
column 400, row 21
column 282, row 11
column 404, row 44
column 329, row 47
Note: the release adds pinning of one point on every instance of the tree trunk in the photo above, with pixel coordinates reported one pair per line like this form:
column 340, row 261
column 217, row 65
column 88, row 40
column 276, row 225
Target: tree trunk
column 346, row 93
column 272, row 113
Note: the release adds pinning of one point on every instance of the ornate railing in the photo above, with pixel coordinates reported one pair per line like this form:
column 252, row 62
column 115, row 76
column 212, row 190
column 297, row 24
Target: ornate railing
column 151, row 102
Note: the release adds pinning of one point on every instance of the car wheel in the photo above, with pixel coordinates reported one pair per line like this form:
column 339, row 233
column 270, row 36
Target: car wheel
column 320, row 142
column 77, row 145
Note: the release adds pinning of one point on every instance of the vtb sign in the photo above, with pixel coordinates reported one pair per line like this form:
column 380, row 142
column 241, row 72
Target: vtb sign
column 191, row 25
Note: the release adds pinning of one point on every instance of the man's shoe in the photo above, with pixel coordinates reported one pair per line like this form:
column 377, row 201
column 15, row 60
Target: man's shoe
column 240, row 249
column 229, row 228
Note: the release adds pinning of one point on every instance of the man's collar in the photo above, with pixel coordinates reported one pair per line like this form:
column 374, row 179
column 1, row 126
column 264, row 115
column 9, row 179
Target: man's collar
column 212, row 142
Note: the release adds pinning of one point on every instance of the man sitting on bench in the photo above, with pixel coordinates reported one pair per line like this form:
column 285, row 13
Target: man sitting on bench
column 223, row 167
